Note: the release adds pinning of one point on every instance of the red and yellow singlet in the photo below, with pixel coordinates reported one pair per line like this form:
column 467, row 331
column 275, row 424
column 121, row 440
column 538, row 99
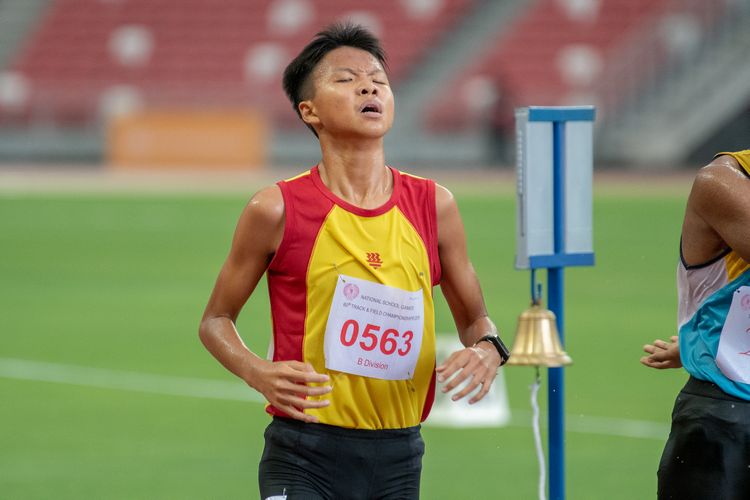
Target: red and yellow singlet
column 363, row 268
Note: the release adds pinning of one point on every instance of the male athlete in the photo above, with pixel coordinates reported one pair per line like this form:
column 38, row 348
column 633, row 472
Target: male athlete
column 707, row 454
column 352, row 249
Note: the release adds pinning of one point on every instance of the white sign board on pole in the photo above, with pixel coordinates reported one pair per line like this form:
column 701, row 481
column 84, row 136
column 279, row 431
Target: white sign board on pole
column 554, row 166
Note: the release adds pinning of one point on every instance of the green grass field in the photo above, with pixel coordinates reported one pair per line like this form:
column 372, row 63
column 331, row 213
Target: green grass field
column 119, row 282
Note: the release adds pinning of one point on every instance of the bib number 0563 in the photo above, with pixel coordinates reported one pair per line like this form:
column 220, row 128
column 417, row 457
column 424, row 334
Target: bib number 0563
column 390, row 341
column 374, row 330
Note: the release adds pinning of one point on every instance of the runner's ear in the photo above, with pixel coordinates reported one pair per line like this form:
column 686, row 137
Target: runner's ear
column 308, row 113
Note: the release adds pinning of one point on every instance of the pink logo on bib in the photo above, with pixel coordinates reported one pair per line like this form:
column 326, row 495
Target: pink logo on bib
column 351, row 291
column 745, row 302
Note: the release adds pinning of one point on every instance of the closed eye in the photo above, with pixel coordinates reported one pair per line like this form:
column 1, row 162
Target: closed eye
column 344, row 80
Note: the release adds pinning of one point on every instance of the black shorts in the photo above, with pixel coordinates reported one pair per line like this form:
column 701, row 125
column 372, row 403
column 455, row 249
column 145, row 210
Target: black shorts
column 315, row 461
column 707, row 455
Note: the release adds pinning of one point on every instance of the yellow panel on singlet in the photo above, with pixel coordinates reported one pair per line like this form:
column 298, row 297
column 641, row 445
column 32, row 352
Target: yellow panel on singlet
column 735, row 266
column 346, row 245
column 742, row 157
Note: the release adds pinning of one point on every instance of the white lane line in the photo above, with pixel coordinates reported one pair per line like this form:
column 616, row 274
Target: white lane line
column 24, row 369
column 605, row 426
column 623, row 427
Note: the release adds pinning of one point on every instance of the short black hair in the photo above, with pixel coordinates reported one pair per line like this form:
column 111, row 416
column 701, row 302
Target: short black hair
column 297, row 75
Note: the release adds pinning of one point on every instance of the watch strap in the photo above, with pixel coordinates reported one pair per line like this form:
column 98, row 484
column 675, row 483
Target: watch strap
column 502, row 350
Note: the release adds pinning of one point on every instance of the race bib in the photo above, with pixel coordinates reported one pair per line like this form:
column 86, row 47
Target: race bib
column 374, row 330
column 733, row 357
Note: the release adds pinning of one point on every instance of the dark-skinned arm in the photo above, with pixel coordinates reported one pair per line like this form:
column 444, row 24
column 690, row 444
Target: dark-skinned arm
column 717, row 217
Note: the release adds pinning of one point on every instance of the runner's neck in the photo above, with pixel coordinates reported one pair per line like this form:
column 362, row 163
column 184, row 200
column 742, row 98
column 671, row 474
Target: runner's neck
column 358, row 177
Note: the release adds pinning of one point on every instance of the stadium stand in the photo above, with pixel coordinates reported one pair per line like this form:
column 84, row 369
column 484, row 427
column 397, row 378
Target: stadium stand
column 460, row 68
column 552, row 55
column 677, row 109
column 90, row 58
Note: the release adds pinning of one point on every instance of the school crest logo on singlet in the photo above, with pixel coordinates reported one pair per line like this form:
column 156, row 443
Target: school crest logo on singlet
column 373, row 259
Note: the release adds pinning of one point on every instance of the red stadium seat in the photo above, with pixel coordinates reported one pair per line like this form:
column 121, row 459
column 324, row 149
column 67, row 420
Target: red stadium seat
column 550, row 56
column 192, row 51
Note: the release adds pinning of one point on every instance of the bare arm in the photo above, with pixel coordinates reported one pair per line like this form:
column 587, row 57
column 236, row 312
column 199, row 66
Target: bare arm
column 717, row 215
column 258, row 234
column 464, row 296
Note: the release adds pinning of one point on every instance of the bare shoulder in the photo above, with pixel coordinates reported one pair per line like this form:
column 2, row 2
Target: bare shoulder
column 449, row 225
column 261, row 225
column 443, row 199
column 721, row 174
column 266, row 206
column 717, row 184
column 718, row 212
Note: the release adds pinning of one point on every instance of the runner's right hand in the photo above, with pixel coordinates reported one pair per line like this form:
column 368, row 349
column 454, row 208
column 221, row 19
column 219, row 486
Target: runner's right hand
column 662, row 354
column 285, row 384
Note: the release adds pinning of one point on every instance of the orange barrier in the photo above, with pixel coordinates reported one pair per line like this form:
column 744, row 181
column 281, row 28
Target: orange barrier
column 231, row 140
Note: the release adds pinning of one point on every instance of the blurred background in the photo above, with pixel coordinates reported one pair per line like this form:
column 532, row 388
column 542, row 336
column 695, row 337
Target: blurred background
column 132, row 133
column 105, row 82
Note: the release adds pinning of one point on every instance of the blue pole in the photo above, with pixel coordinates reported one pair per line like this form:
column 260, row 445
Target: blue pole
column 556, row 394
column 555, row 296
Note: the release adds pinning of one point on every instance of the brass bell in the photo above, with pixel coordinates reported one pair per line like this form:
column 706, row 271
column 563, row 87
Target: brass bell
column 537, row 341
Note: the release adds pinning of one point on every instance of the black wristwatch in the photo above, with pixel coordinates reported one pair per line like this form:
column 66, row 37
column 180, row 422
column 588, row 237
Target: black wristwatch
column 501, row 349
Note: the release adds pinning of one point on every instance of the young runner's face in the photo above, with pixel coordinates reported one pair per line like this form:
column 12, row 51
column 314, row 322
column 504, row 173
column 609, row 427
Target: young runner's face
column 352, row 96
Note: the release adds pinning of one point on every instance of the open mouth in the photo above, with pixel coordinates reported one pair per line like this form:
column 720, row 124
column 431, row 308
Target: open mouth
column 370, row 108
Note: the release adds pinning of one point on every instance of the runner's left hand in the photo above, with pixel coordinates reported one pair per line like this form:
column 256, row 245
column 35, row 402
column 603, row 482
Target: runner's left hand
column 476, row 364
